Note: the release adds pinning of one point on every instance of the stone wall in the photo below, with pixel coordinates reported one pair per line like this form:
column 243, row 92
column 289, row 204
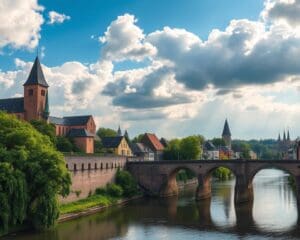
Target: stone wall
column 89, row 173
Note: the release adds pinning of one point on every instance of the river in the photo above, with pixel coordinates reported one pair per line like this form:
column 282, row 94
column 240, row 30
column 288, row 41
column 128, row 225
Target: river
column 272, row 215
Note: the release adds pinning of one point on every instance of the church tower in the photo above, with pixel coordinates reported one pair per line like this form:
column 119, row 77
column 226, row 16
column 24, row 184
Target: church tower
column 36, row 94
column 226, row 135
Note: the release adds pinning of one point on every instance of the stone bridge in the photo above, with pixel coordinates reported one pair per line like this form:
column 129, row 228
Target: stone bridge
column 159, row 178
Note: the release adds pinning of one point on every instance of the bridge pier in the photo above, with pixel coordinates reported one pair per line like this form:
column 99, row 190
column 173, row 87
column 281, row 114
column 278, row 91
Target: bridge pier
column 243, row 190
column 169, row 188
column 204, row 187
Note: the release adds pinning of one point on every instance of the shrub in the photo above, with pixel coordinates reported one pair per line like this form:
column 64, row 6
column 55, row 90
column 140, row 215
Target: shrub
column 114, row 190
column 100, row 191
column 127, row 182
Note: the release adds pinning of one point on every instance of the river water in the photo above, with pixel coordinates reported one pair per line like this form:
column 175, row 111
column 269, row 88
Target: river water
column 272, row 215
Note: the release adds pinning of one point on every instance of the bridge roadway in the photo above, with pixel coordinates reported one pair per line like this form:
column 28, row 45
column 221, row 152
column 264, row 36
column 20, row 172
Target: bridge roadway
column 158, row 178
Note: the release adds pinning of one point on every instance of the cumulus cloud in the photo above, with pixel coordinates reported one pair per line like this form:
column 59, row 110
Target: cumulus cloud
column 55, row 17
column 123, row 40
column 20, row 23
column 282, row 10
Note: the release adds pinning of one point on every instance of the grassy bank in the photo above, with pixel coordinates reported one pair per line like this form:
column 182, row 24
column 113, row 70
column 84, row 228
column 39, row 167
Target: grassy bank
column 83, row 204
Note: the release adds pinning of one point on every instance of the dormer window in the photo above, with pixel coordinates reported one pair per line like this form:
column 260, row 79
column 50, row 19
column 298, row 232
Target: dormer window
column 30, row 92
column 43, row 92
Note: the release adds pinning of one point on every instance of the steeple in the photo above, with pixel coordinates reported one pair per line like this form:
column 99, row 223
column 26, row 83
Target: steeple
column 288, row 136
column 284, row 137
column 226, row 130
column 119, row 132
column 36, row 76
column 279, row 138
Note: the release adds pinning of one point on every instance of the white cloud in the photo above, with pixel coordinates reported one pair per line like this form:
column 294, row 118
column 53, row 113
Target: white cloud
column 124, row 40
column 20, row 23
column 55, row 17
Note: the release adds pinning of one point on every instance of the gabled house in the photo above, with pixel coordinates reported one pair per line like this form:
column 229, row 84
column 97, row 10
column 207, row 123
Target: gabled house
column 141, row 152
column 210, row 152
column 117, row 145
column 151, row 141
column 35, row 106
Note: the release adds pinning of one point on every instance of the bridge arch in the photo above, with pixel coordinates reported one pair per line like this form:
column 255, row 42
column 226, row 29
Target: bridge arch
column 170, row 186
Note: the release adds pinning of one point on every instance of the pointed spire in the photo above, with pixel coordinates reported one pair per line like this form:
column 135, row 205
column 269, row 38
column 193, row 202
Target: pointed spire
column 119, row 132
column 46, row 111
column 279, row 138
column 288, row 135
column 36, row 76
column 284, row 136
column 226, row 130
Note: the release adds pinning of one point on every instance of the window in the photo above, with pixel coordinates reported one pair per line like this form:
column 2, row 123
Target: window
column 67, row 166
column 30, row 92
column 75, row 167
column 101, row 166
column 82, row 166
column 95, row 165
column 89, row 166
column 43, row 93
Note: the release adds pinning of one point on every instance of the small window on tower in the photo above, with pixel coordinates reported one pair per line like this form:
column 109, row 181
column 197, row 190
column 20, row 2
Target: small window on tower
column 43, row 93
column 30, row 92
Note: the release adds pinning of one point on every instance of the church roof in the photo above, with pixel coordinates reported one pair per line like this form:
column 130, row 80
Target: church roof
column 226, row 130
column 12, row 105
column 36, row 75
column 71, row 120
column 111, row 142
column 79, row 132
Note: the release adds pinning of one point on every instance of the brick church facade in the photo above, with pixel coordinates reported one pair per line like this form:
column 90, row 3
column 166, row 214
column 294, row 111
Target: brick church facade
column 35, row 106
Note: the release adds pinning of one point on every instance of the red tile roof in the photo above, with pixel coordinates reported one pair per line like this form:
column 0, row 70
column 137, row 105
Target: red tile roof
column 154, row 141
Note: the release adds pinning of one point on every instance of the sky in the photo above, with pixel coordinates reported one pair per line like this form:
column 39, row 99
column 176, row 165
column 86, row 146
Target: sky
column 175, row 68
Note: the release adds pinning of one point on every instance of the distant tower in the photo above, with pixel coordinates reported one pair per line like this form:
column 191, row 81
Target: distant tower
column 288, row 136
column 284, row 136
column 126, row 135
column 35, row 93
column 279, row 138
column 119, row 132
column 226, row 135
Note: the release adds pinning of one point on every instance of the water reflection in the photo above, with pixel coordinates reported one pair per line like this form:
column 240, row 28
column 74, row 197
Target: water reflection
column 273, row 214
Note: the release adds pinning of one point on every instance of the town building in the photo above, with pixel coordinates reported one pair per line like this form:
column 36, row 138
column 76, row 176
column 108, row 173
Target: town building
column 210, row 151
column 285, row 146
column 117, row 145
column 151, row 141
column 142, row 152
column 35, row 106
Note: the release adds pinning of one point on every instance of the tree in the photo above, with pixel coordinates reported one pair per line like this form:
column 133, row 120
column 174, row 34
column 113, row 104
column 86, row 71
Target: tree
column 32, row 175
column 172, row 152
column 218, row 142
column 127, row 183
column 45, row 128
column 138, row 138
column 190, row 148
column 106, row 132
column 63, row 144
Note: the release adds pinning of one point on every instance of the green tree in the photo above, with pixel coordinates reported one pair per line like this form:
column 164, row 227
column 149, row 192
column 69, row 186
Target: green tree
column 190, row 148
column 63, row 144
column 127, row 183
column 45, row 128
column 172, row 152
column 106, row 132
column 137, row 138
column 218, row 142
column 32, row 175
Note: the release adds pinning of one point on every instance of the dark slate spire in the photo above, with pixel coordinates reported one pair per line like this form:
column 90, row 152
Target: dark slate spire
column 36, row 75
column 46, row 111
column 288, row 135
column 284, row 137
column 279, row 138
column 119, row 132
column 226, row 130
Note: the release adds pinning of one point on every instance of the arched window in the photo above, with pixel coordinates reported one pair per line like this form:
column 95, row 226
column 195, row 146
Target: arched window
column 89, row 166
column 101, row 166
column 75, row 167
column 106, row 165
column 82, row 166
column 95, row 165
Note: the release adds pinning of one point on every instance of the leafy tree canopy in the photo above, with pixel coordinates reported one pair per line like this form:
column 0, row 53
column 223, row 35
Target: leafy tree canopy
column 106, row 132
column 32, row 175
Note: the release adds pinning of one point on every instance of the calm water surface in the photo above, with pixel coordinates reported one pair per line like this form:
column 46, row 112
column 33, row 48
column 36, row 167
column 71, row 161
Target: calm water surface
column 272, row 215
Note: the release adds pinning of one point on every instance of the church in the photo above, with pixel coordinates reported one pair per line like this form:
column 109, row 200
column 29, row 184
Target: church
column 35, row 106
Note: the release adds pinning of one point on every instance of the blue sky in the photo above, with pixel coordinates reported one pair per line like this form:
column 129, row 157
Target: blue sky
column 175, row 68
column 72, row 40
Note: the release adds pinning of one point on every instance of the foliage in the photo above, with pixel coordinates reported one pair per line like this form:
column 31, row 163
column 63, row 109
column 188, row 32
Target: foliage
column 218, row 142
column 188, row 148
column 185, row 174
column 100, row 191
column 45, row 128
column 222, row 173
column 98, row 147
column 137, row 138
column 32, row 174
column 63, row 144
column 114, row 190
column 127, row 183
column 106, row 132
